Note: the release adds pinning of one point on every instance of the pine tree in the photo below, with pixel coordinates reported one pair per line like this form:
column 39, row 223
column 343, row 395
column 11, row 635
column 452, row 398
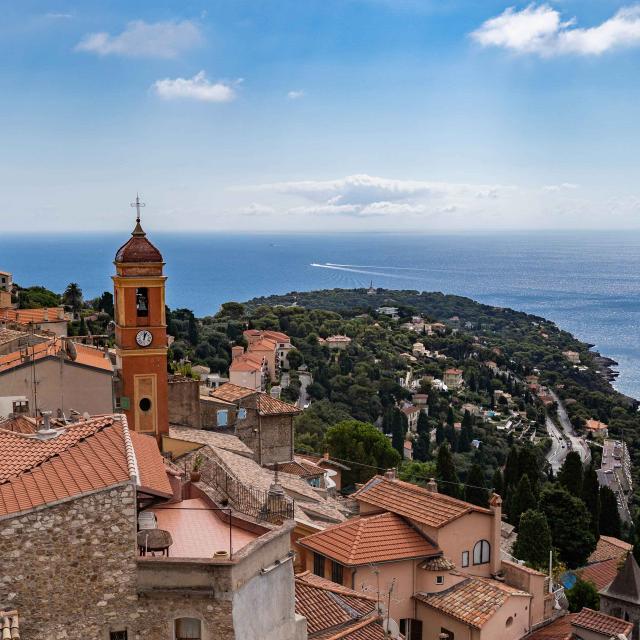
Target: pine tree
column 522, row 500
column 534, row 539
column 421, row 447
column 448, row 482
column 610, row 524
column 474, row 490
column 498, row 482
column 570, row 474
column 591, row 498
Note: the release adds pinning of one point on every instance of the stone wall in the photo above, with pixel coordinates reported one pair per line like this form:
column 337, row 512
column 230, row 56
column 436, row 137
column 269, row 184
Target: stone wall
column 184, row 402
column 73, row 573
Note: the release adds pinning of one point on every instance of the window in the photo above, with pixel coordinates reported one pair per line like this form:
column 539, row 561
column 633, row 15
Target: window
column 439, row 579
column 222, row 417
column 242, row 414
column 318, row 565
column 142, row 302
column 481, row 552
column 188, row 629
column 336, row 572
column 21, row 406
column 145, row 404
column 411, row 629
column 118, row 635
column 447, row 634
column 465, row 558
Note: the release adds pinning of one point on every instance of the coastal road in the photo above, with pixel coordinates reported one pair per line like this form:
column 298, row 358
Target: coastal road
column 559, row 448
column 577, row 444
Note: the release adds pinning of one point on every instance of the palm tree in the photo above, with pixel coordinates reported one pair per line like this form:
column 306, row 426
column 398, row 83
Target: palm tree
column 72, row 298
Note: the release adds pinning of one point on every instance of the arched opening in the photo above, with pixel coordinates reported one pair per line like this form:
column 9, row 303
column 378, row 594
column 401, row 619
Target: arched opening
column 188, row 629
column 481, row 552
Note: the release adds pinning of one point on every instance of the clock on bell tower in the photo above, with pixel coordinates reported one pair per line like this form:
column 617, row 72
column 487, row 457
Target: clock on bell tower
column 141, row 388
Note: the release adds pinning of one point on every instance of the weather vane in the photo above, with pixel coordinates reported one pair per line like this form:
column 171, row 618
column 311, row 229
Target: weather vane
column 137, row 204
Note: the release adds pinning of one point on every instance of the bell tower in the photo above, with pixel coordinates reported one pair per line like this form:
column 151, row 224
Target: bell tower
column 141, row 387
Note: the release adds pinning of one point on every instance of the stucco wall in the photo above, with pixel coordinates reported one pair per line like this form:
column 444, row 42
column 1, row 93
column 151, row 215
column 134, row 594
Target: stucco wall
column 184, row 402
column 61, row 386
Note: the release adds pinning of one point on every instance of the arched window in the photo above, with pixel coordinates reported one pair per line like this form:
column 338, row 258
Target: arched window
column 481, row 552
column 188, row 629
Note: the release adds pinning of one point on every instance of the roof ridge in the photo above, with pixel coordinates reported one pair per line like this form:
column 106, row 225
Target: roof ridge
column 132, row 462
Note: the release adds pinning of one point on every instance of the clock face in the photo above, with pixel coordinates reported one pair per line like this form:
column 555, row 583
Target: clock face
column 144, row 338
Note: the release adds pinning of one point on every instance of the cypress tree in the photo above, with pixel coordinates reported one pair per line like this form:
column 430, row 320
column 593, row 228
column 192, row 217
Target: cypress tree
column 421, row 447
column 423, row 423
column 534, row 539
column 475, row 490
column 591, row 498
column 522, row 500
column 398, row 431
column 528, row 464
column 511, row 470
column 498, row 483
column 570, row 474
column 610, row 524
column 439, row 433
column 448, row 482
column 450, row 417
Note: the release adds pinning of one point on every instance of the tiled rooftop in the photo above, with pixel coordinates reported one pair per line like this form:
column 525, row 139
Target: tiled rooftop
column 37, row 316
column 609, row 547
column 559, row 629
column 84, row 457
column 601, row 623
column 381, row 538
column 85, row 355
column 9, row 625
column 231, row 392
column 411, row 501
column 331, row 610
column 601, row 574
column 268, row 406
column 8, row 335
column 473, row 601
column 301, row 467
column 198, row 531
column 222, row 440
column 19, row 424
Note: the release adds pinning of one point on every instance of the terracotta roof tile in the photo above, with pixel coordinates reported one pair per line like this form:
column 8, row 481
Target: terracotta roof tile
column 559, row 629
column 380, row 538
column 225, row 441
column 36, row 316
column 19, row 424
column 411, row 501
column 609, row 547
column 331, row 610
column 601, row 574
column 138, row 249
column 268, row 406
column 9, row 625
column 601, row 623
column 473, row 601
column 232, row 392
column 20, row 452
column 153, row 475
column 300, row 467
column 369, row 629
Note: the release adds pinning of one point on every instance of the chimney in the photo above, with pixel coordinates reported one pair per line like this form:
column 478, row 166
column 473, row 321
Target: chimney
column 495, row 505
column 236, row 351
column 432, row 485
column 325, row 455
column 46, row 315
column 45, row 432
column 390, row 474
column 61, row 313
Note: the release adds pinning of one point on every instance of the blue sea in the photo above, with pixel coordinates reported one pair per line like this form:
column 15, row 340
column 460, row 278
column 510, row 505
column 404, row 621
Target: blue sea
column 587, row 282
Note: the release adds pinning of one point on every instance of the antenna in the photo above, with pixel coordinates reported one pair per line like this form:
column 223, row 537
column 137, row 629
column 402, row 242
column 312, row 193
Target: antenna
column 137, row 204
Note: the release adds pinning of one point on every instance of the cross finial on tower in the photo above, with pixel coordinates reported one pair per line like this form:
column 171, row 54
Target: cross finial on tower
column 137, row 204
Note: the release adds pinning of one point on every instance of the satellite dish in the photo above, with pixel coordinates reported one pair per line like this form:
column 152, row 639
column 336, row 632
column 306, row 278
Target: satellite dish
column 568, row 579
column 72, row 352
column 389, row 624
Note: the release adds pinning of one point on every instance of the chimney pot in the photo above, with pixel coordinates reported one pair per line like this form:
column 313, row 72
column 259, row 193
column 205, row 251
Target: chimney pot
column 390, row 474
column 432, row 485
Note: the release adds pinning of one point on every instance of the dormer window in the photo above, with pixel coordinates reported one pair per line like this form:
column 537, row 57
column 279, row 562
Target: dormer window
column 142, row 302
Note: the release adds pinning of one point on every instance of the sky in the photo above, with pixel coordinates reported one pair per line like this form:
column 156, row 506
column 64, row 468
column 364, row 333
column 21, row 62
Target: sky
column 321, row 115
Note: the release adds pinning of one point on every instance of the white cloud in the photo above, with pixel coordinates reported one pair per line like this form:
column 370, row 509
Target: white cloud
column 196, row 88
column 539, row 29
column 145, row 40
column 256, row 209
column 563, row 186
column 296, row 94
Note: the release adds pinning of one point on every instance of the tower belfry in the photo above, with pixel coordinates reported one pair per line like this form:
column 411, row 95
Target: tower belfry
column 141, row 333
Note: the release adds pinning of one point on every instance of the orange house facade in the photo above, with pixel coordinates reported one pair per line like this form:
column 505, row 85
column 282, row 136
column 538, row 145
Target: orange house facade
column 434, row 562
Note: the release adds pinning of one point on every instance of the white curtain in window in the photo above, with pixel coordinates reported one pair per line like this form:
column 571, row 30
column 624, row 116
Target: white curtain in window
column 188, row 629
